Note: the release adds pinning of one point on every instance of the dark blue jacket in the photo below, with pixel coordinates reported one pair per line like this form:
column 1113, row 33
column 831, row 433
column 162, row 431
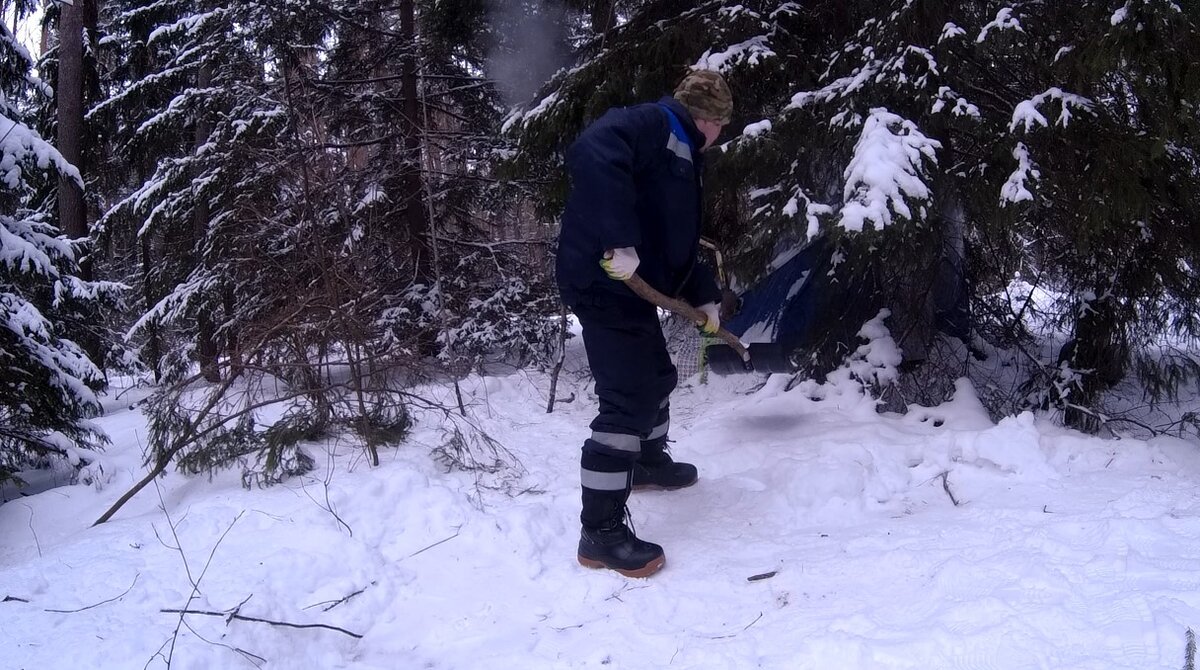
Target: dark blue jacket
column 636, row 183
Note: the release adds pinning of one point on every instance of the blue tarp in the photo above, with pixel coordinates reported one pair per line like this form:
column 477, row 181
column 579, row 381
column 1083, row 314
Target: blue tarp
column 784, row 304
column 788, row 306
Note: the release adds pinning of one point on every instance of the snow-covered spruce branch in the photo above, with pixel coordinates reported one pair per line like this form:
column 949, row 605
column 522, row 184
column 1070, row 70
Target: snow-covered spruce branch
column 887, row 172
column 165, row 458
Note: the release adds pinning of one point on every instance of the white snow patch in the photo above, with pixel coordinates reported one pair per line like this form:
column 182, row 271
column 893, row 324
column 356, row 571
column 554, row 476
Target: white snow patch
column 757, row 128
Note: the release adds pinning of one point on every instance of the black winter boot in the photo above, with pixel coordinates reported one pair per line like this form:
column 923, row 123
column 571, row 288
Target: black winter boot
column 614, row 546
column 656, row 470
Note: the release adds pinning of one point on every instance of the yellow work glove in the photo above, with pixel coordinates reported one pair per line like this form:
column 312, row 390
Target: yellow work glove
column 620, row 264
column 712, row 321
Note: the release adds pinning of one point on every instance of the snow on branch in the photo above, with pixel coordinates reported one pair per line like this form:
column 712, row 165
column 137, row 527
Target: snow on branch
column 29, row 246
column 886, row 171
column 523, row 118
column 1015, row 189
column 19, row 144
column 9, row 43
column 1004, row 21
column 1120, row 15
column 1026, row 112
column 840, row 88
column 190, row 24
column 962, row 107
column 950, row 31
column 753, row 51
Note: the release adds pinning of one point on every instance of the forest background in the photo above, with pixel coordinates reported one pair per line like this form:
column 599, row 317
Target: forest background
column 322, row 203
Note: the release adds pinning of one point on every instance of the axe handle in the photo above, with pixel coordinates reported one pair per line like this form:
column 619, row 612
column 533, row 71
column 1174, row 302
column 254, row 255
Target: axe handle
column 648, row 293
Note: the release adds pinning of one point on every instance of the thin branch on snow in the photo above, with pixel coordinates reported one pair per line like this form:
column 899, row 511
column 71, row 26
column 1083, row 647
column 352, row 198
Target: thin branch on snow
column 456, row 533
column 170, row 654
column 36, row 542
column 255, row 659
column 328, row 505
column 945, row 477
column 744, row 629
column 234, row 615
column 330, row 604
column 102, row 602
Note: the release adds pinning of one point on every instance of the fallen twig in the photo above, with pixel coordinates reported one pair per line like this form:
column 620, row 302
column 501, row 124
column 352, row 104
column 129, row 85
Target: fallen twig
column 946, row 487
column 102, row 602
column 744, row 629
column 233, row 615
column 31, row 530
column 334, row 603
column 255, row 659
column 170, row 654
column 765, row 575
column 435, row 544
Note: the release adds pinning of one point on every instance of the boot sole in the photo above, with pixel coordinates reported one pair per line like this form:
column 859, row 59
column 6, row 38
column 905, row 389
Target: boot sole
column 644, row 571
column 659, row 487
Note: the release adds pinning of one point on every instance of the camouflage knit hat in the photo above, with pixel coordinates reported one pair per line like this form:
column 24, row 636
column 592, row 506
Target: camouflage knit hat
column 706, row 96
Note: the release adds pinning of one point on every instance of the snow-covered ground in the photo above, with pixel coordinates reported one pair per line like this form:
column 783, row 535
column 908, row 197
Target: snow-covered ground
column 1063, row 551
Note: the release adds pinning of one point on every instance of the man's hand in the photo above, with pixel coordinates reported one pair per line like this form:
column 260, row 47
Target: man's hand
column 712, row 322
column 620, row 264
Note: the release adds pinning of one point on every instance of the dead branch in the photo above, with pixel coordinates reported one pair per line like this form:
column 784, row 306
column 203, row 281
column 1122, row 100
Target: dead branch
column 330, row 604
column 102, row 602
column 328, row 506
column 36, row 542
column 234, row 615
column 560, row 358
column 946, row 487
column 744, row 629
column 195, row 582
column 435, row 544
column 257, row 660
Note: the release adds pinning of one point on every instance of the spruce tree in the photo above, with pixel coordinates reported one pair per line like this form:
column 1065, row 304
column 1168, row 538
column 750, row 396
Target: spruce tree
column 48, row 384
column 937, row 149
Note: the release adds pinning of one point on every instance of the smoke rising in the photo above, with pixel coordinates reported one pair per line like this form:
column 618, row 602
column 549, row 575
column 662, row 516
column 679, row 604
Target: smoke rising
column 529, row 45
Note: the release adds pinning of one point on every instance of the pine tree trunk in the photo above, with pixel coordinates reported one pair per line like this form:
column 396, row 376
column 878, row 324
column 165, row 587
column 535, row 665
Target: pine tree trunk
column 1100, row 353
column 72, row 212
column 414, row 213
column 152, row 353
column 207, row 349
column 603, row 16
column 233, row 347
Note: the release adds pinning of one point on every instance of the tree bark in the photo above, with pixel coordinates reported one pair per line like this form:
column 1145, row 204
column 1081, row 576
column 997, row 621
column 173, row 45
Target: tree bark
column 602, row 16
column 414, row 197
column 207, row 349
column 72, row 213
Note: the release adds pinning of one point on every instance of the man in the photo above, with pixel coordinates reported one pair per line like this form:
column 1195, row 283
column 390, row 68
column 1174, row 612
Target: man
column 635, row 205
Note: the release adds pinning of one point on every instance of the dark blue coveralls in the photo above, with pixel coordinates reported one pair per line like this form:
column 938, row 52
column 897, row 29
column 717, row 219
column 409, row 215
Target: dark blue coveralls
column 635, row 182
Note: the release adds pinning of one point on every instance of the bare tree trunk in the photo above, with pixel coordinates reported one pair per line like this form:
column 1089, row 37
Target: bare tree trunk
column 562, row 356
column 72, row 213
